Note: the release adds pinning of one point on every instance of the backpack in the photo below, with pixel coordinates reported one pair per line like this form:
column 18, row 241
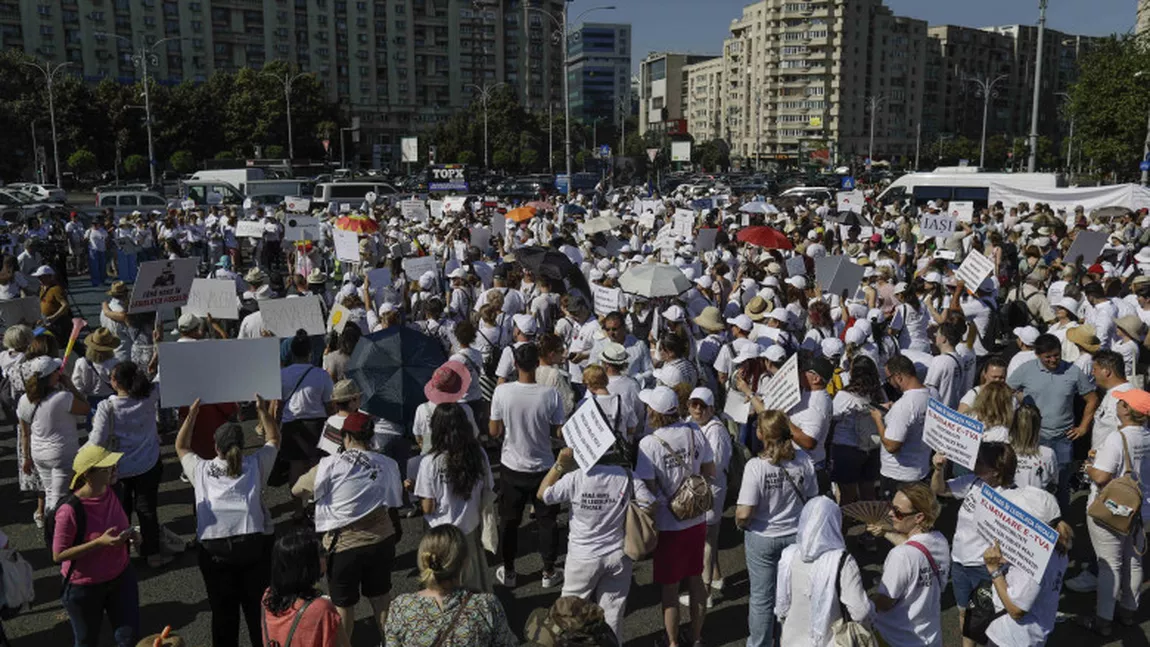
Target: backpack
column 81, row 527
column 18, row 589
column 994, row 327
column 693, row 497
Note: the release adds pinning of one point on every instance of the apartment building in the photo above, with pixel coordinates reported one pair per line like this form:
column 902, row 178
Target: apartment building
column 401, row 66
column 704, row 108
column 599, row 69
column 1142, row 23
column 663, row 88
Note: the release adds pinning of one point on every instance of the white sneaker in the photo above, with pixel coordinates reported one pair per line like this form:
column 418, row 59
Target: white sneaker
column 504, row 579
column 1084, row 582
column 553, row 580
column 685, row 600
column 38, row 519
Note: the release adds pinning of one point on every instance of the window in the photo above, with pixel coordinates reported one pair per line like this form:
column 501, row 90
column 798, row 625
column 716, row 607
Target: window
column 44, row 10
column 194, row 6
column 197, row 26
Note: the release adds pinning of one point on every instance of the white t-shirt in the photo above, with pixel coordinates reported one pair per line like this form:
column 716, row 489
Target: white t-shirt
column 94, row 379
column 1111, row 458
column 53, row 425
column 813, row 415
column 904, row 424
column 528, row 412
column 945, row 376
column 353, row 484
column 908, row 577
column 598, row 499
column 1106, row 416
column 506, row 367
column 1037, row 470
column 310, row 397
column 1039, row 599
column 968, row 544
column 226, row 506
column 618, row 410
column 421, row 426
column 853, row 424
column 431, row 483
column 720, row 441
column 656, row 463
column 252, row 326
column 776, row 502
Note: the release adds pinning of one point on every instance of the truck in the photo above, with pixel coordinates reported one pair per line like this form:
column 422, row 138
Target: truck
column 237, row 177
column 963, row 183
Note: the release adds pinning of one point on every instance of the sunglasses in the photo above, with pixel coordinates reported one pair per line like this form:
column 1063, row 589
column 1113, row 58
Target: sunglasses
column 900, row 515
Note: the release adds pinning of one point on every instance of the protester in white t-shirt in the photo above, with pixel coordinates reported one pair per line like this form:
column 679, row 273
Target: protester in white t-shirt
column 528, row 415
column 452, row 481
column 701, row 406
column 48, row 426
column 993, row 370
column 909, row 597
column 904, row 456
column 305, row 403
column 233, row 525
column 776, row 484
column 1037, row 464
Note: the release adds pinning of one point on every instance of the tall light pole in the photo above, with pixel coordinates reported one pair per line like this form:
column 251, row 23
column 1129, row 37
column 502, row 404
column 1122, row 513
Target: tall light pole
column 484, row 96
column 287, row 79
column 985, row 89
column 563, row 33
column 874, row 102
column 1032, row 165
column 1070, row 136
column 50, row 71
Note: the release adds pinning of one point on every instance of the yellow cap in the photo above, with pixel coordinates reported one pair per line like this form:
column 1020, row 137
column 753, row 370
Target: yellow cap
column 91, row 456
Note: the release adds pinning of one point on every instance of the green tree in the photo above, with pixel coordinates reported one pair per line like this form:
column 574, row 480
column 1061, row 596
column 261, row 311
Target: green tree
column 1109, row 102
column 275, row 151
column 226, row 155
column 466, row 157
column 529, row 159
column 183, row 162
column 136, row 166
column 83, row 161
column 503, row 159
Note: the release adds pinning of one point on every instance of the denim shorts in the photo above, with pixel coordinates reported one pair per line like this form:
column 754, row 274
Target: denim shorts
column 965, row 579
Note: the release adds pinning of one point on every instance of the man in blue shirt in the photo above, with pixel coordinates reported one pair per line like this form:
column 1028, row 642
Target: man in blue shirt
column 1051, row 385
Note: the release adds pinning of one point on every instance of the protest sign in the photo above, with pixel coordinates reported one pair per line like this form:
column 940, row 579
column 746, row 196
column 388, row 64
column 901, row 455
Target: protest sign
column 249, row 229
column 454, row 203
column 163, row 283
column 480, row 237
column 738, row 407
column 345, row 207
column 297, row 205
column 1087, row 244
column 338, row 318
column 498, row 225
column 796, row 266
column 215, row 297
column 946, row 254
column 975, row 267
column 418, row 266
column 219, row 370
column 962, row 211
column 1026, row 542
column 346, row 245
column 606, row 299
column 837, row 274
column 705, row 239
column 588, row 434
column 187, row 205
column 937, row 225
column 850, row 201
column 683, row 223
column 666, row 242
column 414, row 210
column 379, row 278
column 283, row 317
column 15, row 311
column 647, row 220
column 782, row 391
column 301, row 228
column 951, row 433
column 435, row 208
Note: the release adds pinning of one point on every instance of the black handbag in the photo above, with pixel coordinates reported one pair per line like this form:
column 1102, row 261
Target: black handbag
column 980, row 613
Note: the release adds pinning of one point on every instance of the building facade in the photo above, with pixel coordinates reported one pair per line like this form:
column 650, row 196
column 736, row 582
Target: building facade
column 401, row 66
column 704, row 108
column 599, row 72
column 663, row 87
column 1142, row 23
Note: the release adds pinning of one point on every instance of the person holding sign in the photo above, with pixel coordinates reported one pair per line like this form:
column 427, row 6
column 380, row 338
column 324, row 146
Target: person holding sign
column 905, row 457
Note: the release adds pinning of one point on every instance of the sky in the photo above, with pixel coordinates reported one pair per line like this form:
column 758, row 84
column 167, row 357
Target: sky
column 699, row 26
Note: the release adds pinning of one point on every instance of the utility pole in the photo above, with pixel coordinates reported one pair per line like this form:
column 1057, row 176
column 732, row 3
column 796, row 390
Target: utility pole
column 550, row 140
column 49, row 71
column 985, row 89
column 917, row 143
column 484, row 96
column 875, row 102
column 1032, row 165
column 287, row 80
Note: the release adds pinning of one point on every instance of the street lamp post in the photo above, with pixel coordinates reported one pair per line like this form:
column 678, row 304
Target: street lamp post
column 1032, row 164
column 49, row 71
column 1070, row 136
column 986, row 90
column 874, row 102
column 287, row 80
column 561, row 25
column 484, row 96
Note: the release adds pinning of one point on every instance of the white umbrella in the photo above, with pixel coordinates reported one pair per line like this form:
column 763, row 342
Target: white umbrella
column 602, row 223
column 758, row 207
column 653, row 281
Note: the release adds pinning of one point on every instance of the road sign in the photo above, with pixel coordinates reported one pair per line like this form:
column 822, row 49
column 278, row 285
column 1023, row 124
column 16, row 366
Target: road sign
column 1144, row 166
column 652, row 153
column 848, row 183
column 605, row 151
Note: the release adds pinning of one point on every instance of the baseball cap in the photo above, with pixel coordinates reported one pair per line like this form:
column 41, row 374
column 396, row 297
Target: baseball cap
column 832, row 347
column 1137, row 399
column 775, row 353
column 819, row 366
column 779, row 314
column 661, row 399
column 43, row 366
column 1028, row 334
column 92, row 456
column 674, row 313
column 525, row 323
column 704, row 394
column 44, row 270
column 743, row 322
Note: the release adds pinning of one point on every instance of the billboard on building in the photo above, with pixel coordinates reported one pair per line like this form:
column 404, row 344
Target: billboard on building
column 680, row 151
column 410, row 148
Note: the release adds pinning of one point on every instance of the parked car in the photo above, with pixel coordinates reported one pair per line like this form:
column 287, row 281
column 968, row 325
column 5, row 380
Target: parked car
column 43, row 192
column 123, row 203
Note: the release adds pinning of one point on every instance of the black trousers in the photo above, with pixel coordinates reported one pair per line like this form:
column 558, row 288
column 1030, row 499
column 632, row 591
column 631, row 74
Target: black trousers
column 236, row 574
column 515, row 490
column 141, row 493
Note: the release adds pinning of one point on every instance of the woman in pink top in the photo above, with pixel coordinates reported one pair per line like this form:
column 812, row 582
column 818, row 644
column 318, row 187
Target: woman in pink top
column 92, row 551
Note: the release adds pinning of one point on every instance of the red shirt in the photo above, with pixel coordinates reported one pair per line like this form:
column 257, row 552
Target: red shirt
column 318, row 627
column 210, row 418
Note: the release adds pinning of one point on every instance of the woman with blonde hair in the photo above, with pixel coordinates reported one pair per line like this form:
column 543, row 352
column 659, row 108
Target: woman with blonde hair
column 994, row 408
column 776, row 485
column 443, row 613
column 1037, row 465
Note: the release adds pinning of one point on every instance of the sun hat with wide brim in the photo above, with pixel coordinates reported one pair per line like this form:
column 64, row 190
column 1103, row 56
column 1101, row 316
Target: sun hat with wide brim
column 118, row 289
column 1131, row 325
column 1084, row 337
column 102, row 339
column 345, row 390
column 92, row 456
column 711, row 320
column 449, row 383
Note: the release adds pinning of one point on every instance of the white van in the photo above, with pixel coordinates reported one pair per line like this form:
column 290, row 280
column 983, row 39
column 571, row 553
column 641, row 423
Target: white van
column 964, row 183
column 352, row 193
column 237, row 177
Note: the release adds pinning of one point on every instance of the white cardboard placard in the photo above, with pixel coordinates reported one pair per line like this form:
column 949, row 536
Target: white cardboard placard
column 606, row 299
column 738, row 407
column 683, row 223
column 435, row 208
column 850, row 201
column 647, row 220
column 414, row 210
column 975, row 267
column 187, row 205
column 163, row 283
column 452, row 204
column 1087, row 244
column 796, row 266
column 338, row 318
column 301, row 228
column 705, row 239
column 956, row 436
column 962, row 211
column 937, row 225
column 297, row 205
column 219, row 370
column 249, row 229
column 782, row 391
column 480, row 237
column 1026, row 542
column 346, row 245
column 588, row 435
column 215, row 297
column 417, row 266
column 25, row 310
column 283, row 317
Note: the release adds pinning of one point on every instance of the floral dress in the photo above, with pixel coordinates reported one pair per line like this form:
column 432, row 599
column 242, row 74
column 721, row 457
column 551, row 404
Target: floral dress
column 415, row 620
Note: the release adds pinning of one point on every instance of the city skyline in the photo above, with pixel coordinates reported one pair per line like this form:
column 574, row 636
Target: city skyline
column 696, row 27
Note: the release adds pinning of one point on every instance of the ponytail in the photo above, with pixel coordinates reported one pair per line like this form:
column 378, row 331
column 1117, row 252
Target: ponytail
column 234, row 457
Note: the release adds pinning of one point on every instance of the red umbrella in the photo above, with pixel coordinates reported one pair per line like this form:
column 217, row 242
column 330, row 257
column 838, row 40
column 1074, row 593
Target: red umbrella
column 765, row 237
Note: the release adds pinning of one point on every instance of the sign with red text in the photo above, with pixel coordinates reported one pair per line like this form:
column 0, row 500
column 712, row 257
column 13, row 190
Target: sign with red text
column 163, row 283
column 1026, row 542
column 954, row 435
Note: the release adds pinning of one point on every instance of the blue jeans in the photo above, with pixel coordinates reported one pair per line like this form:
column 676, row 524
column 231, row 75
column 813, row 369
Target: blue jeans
column 1063, row 452
column 119, row 598
column 126, row 266
column 97, row 265
column 763, row 555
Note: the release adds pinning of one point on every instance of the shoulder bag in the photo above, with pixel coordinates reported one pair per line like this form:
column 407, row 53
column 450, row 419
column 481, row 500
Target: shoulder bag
column 446, row 631
column 980, row 613
column 641, row 535
column 848, row 633
column 291, row 632
column 1118, row 506
column 693, row 498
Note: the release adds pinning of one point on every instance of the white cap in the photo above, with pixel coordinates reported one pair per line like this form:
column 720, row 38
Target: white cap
column 457, row 273
column 780, row 314
column 813, row 235
column 750, row 351
column 832, row 347
column 603, row 264
column 674, row 313
column 427, row 280
column 704, row 282
column 932, row 277
column 855, row 335
column 612, row 273
column 704, row 394
column 44, row 270
column 43, row 366
column 525, row 323
column 661, row 399
column 875, row 315
column 775, row 353
column 386, row 307
column 743, row 322
column 1028, row 334
column 799, row 282
column 689, row 272
column 1068, row 304
column 596, row 274
column 899, row 288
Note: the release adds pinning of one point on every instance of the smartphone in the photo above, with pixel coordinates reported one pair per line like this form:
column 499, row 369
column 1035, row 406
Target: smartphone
column 876, row 407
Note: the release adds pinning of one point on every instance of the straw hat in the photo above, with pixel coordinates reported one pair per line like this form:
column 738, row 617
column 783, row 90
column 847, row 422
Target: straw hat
column 1084, row 337
column 757, row 309
column 345, row 390
column 118, row 290
column 316, row 277
column 102, row 339
column 256, row 275
column 710, row 319
column 1131, row 325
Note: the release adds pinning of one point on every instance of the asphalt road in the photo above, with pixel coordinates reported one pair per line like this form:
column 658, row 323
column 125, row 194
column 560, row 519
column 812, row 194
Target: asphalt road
column 175, row 594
